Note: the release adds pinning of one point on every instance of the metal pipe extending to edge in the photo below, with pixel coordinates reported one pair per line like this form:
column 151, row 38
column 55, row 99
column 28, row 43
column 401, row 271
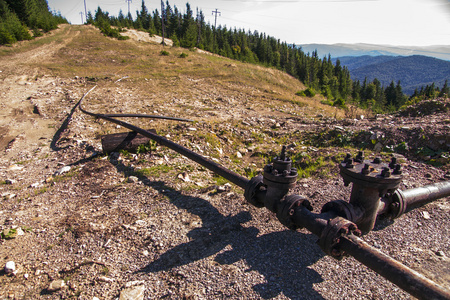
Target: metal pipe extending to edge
column 209, row 164
column 406, row 278
column 422, row 195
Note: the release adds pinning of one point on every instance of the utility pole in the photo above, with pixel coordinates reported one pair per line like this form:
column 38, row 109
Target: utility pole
column 215, row 21
column 199, row 25
column 163, row 15
column 215, row 24
column 85, row 10
column 129, row 1
column 81, row 13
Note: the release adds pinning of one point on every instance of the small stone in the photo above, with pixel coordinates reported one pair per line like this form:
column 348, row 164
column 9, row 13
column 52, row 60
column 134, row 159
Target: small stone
column 14, row 168
column 95, row 298
column 105, row 279
column 133, row 293
column 140, row 223
column 428, row 175
column 10, row 181
column 184, row 176
column 63, row 170
column 440, row 253
column 378, row 147
column 25, row 275
column 426, row 215
column 145, row 253
column 238, row 154
column 35, row 185
column 192, row 129
column 56, row 285
column 10, row 267
column 133, row 179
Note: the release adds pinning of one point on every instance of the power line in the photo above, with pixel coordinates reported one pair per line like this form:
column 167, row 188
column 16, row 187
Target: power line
column 81, row 14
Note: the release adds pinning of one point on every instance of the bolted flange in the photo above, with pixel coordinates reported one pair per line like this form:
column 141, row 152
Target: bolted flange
column 371, row 180
column 280, row 174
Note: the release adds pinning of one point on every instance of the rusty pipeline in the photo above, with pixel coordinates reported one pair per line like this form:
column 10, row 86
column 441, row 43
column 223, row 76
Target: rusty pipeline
column 340, row 223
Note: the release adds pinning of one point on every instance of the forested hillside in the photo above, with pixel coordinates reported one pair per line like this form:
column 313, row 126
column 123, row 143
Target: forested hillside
column 412, row 71
column 321, row 75
column 18, row 17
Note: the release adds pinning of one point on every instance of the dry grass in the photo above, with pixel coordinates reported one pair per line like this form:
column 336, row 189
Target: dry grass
column 151, row 75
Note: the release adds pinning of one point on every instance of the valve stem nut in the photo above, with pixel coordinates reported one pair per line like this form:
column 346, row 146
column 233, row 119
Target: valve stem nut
column 393, row 163
column 398, row 170
column 347, row 157
column 386, row 172
column 360, row 157
column 365, row 170
column 294, row 172
column 349, row 164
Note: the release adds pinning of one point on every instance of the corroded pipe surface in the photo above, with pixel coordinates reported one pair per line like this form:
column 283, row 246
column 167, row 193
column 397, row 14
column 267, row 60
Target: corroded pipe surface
column 407, row 279
column 422, row 195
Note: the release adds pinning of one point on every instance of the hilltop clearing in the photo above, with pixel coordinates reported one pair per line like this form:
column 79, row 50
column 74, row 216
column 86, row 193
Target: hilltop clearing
column 78, row 223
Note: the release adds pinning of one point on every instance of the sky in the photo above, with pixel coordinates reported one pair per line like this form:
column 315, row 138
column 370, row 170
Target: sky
column 382, row 22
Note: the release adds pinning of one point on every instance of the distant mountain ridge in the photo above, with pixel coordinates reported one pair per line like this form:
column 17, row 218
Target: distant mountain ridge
column 339, row 50
column 413, row 71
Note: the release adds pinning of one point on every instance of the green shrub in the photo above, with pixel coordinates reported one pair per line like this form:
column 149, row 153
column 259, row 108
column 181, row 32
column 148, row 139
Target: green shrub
column 164, row 53
column 309, row 92
column 183, row 55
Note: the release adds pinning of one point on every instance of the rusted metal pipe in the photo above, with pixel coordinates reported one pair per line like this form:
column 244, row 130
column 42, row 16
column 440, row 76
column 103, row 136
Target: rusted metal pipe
column 407, row 279
column 336, row 234
column 207, row 163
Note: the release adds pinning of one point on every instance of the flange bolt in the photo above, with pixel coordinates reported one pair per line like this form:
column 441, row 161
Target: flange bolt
column 398, row 170
column 360, row 157
column 377, row 160
column 365, row 170
column 349, row 164
column 386, row 172
column 393, row 163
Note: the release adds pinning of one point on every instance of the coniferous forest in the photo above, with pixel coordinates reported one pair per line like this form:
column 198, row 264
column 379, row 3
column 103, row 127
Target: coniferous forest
column 320, row 75
column 19, row 17
column 189, row 30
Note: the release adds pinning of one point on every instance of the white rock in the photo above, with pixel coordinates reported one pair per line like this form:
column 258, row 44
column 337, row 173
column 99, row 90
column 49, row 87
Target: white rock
column 35, row 185
column 10, row 267
column 105, row 279
column 63, row 170
column 133, row 293
column 14, row 168
column 133, row 179
column 238, row 154
column 10, row 181
column 426, row 215
column 56, row 285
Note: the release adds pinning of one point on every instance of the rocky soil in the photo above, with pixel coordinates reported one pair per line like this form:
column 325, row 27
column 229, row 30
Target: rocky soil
column 155, row 225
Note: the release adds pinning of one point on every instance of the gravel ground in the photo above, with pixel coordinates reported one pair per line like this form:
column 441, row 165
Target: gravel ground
column 158, row 226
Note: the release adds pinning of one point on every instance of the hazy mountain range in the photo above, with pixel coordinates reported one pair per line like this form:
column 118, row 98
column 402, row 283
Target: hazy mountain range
column 338, row 50
column 413, row 66
column 413, row 71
